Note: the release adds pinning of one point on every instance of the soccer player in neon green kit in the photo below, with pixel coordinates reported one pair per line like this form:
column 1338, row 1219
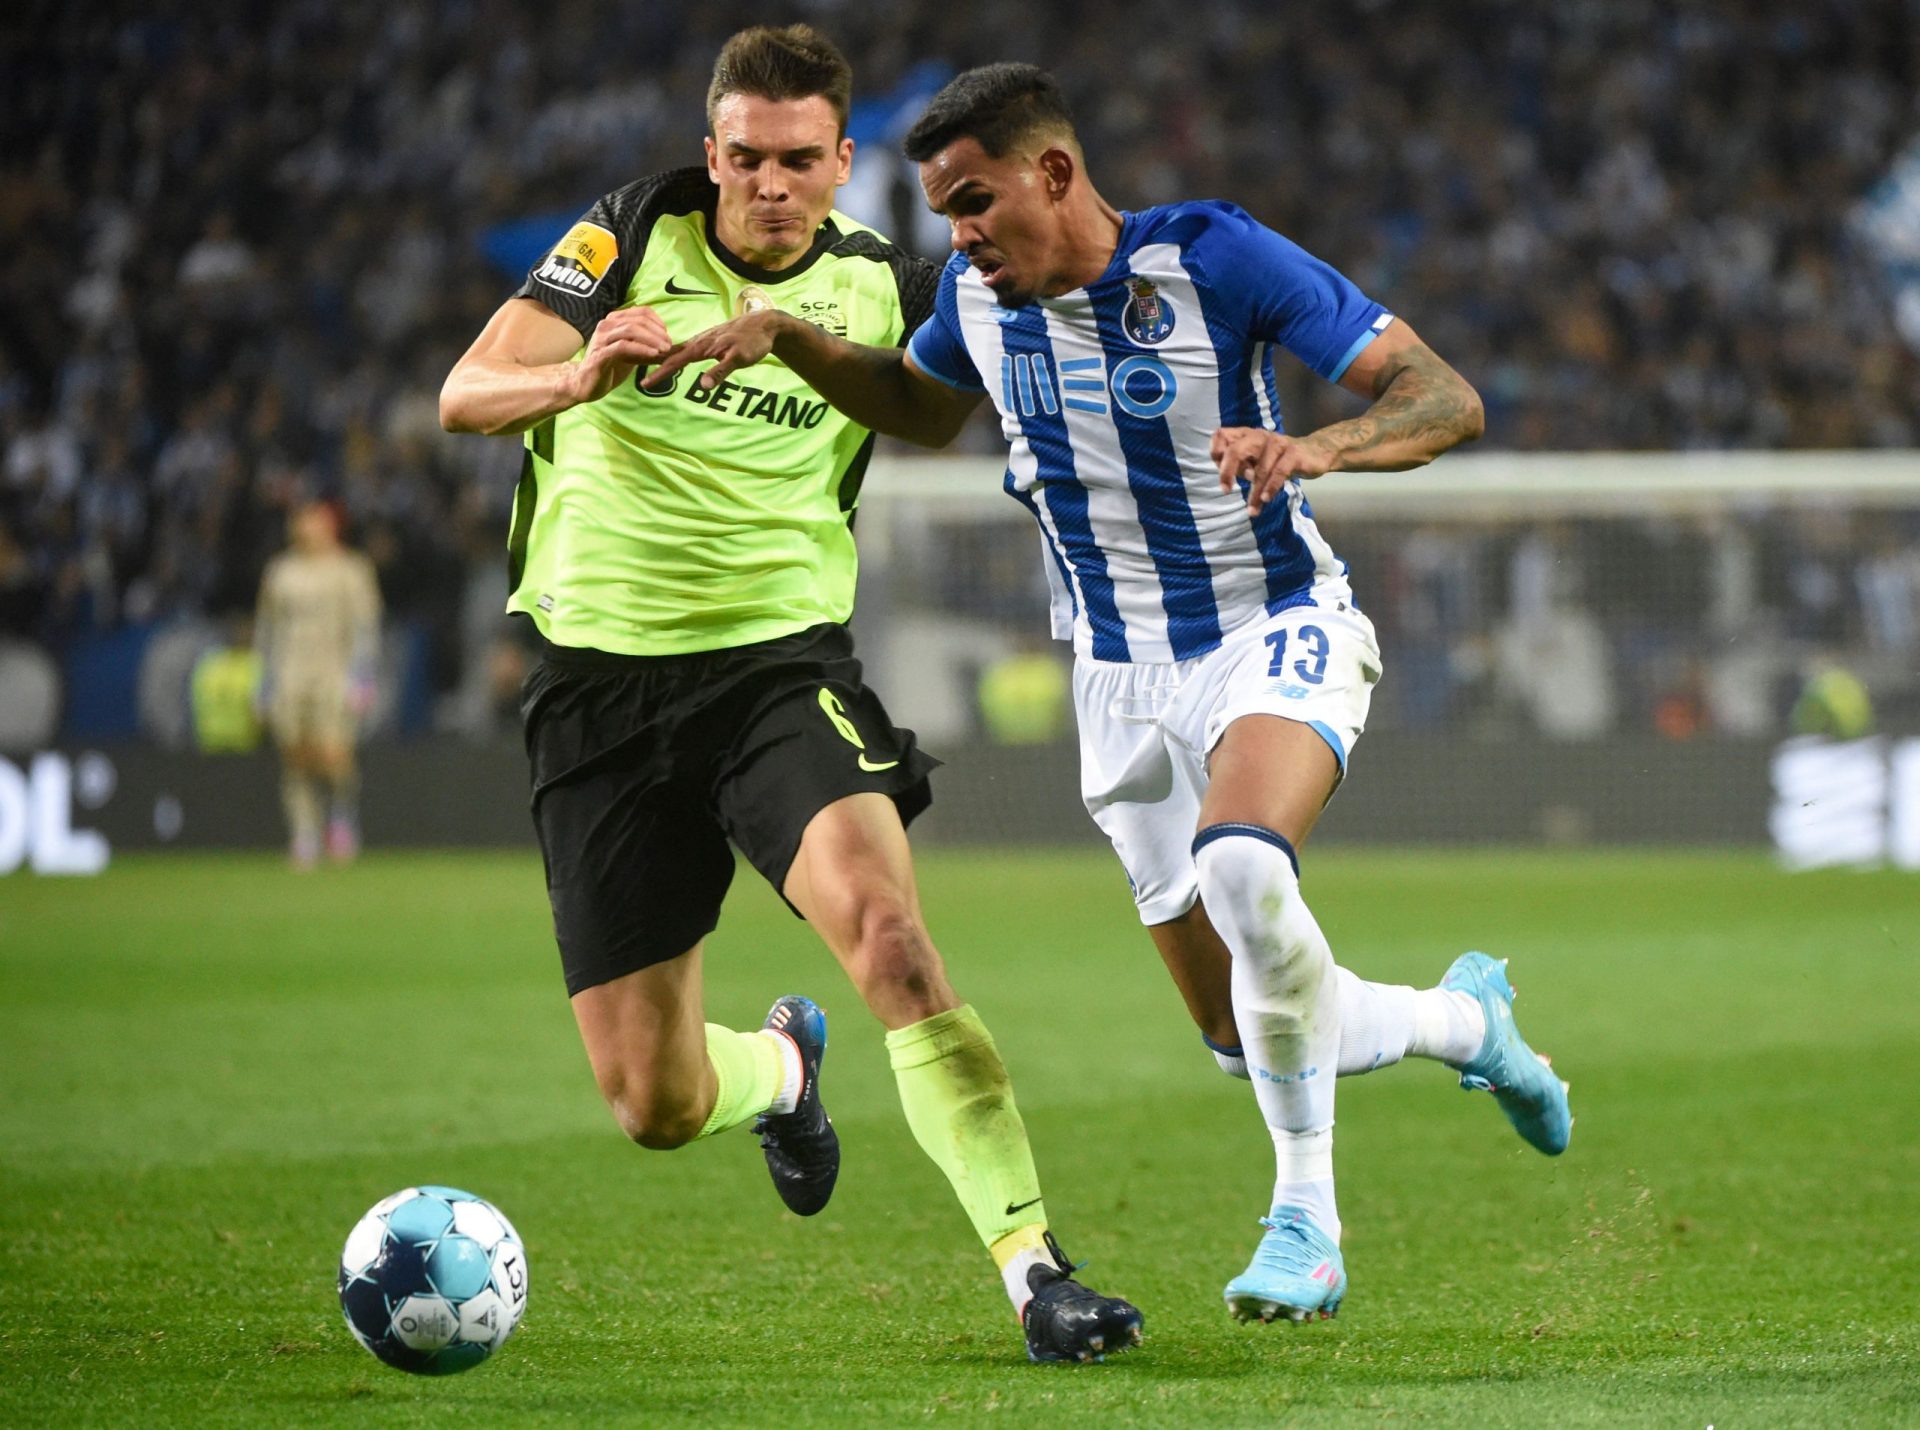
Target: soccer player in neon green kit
column 688, row 558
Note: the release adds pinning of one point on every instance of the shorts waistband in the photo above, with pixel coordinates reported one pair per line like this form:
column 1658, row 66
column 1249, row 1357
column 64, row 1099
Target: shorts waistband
column 589, row 658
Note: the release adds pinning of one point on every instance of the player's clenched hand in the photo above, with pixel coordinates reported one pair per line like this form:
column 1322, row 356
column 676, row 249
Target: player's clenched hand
column 1264, row 460
column 732, row 345
column 621, row 342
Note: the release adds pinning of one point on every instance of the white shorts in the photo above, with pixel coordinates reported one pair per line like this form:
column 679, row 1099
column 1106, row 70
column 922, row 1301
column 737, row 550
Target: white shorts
column 1146, row 731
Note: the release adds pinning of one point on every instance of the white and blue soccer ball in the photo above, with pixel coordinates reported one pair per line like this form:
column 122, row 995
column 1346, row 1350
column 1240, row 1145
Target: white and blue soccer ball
column 433, row 1280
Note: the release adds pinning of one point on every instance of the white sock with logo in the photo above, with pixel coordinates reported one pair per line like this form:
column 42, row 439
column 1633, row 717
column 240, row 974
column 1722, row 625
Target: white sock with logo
column 1285, row 1000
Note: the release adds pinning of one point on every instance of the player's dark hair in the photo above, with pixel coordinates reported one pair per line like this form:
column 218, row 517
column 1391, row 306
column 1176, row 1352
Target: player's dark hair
column 996, row 105
column 787, row 62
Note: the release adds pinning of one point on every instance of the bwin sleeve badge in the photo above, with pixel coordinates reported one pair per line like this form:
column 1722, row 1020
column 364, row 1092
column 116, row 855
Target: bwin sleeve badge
column 580, row 260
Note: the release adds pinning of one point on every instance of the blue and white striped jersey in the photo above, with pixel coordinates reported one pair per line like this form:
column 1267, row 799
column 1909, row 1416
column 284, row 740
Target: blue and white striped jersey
column 1109, row 397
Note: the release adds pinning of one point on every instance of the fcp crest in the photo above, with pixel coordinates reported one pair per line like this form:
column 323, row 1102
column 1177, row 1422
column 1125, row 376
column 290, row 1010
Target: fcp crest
column 1148, row 318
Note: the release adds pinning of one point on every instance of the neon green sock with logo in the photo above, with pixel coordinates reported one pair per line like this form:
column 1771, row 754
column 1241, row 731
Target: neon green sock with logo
column 959, row 1105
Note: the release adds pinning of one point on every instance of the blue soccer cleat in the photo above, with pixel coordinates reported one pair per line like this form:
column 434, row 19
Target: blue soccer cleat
column 1296, row 1272
column 1521, row 1081
column 802, row 1149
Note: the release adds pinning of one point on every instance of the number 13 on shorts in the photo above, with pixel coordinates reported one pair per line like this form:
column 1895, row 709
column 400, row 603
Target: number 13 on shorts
column 1311, row 667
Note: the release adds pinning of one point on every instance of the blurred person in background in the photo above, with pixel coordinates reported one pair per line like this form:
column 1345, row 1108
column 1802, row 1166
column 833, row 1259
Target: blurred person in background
column 1833, row 702
column 223, row 690
column 317, row 633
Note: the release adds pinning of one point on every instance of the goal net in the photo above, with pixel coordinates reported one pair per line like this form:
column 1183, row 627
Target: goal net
column 1577, row 646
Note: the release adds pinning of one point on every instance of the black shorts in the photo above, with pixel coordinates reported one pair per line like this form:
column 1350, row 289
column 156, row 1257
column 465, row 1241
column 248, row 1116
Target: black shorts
column 645, row 766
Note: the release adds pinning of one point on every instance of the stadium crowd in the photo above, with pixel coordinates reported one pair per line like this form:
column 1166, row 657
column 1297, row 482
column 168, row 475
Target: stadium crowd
column 240, row 246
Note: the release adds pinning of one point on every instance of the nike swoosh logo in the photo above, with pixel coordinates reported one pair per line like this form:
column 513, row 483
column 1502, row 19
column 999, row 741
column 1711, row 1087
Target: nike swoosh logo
column 871, row 768
column 1011, row 1208
column 690, row 292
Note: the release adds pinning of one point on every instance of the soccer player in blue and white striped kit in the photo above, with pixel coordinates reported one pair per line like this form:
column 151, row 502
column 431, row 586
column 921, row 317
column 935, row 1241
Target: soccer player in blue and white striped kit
column 1223, row 670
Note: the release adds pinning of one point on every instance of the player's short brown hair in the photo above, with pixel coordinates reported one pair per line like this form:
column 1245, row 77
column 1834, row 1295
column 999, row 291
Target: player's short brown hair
column 783, row 62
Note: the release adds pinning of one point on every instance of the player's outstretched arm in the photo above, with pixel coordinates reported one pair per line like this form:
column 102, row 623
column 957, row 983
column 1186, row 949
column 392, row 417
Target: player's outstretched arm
column 518, row 372
column 1421, row 408
column 876, row 387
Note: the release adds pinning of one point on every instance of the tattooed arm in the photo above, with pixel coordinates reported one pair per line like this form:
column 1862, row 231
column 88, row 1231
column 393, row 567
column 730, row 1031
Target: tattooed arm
column 1421, row 408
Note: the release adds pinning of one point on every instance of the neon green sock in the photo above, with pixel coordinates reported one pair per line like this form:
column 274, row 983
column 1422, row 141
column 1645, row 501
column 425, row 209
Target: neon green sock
column 750, row 1071
column 959, row 1103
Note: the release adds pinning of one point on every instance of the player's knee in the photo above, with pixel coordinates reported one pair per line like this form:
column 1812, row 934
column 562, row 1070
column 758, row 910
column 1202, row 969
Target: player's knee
column 894, row 963
column 1245, row 869
column 890, row 946
column 651, row 1115
column 663, row 1136
column 1251, row 890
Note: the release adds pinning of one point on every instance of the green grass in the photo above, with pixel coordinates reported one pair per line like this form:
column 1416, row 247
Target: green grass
column 210, row 1067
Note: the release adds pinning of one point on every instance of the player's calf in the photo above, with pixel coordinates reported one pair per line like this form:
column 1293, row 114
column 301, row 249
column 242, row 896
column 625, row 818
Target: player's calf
column 894, row 965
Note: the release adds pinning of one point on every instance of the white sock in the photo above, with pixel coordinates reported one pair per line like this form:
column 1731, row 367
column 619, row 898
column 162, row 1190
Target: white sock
column 793, row 1073
column 1014, row 1274
column 1232, row 1064
column 1381, row 1023
column 1305, row 1177
column 1285, row 1000
column 1450, row 1028
column 1233, row 1061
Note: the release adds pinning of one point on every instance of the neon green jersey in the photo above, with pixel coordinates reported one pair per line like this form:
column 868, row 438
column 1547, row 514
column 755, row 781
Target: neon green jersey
column 656, row 524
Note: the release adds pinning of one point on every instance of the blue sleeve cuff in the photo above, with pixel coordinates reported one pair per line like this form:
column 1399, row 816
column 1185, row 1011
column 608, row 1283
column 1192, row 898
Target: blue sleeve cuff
column 920, row 363
column 1359, row 346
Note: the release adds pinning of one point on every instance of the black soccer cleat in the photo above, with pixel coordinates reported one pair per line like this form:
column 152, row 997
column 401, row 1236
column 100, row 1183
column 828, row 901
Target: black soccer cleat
column 1066, row 1321
column 803, row 1150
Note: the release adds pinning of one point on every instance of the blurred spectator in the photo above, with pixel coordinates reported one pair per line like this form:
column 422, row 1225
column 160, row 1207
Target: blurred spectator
column 1833, row 702
column 240, row 247
column 224, row 691
column 1026, row 698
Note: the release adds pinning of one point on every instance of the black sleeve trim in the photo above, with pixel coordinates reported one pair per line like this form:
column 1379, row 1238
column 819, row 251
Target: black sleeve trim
column 855, row 477
column 569, row 287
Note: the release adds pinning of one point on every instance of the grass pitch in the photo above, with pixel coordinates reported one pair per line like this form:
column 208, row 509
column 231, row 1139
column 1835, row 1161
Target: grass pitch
column 209, row 1067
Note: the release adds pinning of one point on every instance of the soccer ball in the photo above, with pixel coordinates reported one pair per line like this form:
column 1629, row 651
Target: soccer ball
column 433, row 1280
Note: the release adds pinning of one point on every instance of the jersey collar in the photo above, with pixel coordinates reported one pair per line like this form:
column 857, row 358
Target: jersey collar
column 824, row 238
